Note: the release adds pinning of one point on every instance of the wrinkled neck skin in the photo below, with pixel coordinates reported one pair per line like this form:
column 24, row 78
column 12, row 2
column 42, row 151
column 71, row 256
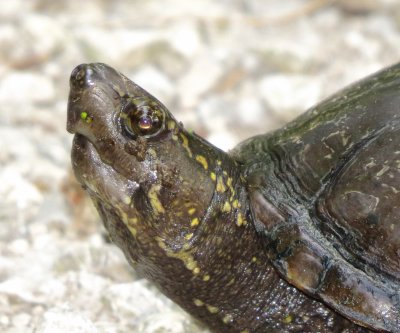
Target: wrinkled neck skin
column 191, row 234
column 178, row 208
column 199, row 246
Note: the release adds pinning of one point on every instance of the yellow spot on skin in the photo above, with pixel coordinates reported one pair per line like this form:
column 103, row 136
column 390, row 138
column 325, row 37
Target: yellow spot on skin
column 206, row 278
column 124, row 217
column 132, row 230
column 133, row 220
column 190, row 264
column 239, row 220
column 227, row 207
column 254, row 259
column 220, row 185
column 174, row 137
column 85, row 117
column 191, row 211
column 195, row 222
column 202, row 160
column 184, row 256
column 230, row 187
column 161, row 243
column 212, row 309
column 213, row 176
column 227, row 319
column 127, row 200
column 189, row 236
column 198, row 302
column 288, row 319
column 219, row 162
column 185, row 144
column 129, row 222
column 171, row 125
column 187, row 259
column 235, row 203
column 154, row 200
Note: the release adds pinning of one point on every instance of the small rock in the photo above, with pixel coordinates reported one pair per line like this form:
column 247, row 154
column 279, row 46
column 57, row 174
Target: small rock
column 21, row 320
column 185, row 38
column 358, row 7
column 65, row 320
column 25, row 87
column 289, row 95
column 166, row 322
column 250, row 111
column 201, row 77
column 18, row 191
column 13, row 8
column 95, row 40
column 155, row 81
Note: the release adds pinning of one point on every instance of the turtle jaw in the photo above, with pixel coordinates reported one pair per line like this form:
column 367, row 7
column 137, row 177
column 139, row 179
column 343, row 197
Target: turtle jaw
column 98, row 178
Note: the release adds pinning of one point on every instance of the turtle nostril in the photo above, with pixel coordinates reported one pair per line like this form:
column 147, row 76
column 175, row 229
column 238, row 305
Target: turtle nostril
column 79, row 72
column 81, row 76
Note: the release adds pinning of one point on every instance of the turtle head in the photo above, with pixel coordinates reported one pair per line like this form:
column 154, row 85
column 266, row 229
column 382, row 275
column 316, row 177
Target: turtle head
column 150, row 179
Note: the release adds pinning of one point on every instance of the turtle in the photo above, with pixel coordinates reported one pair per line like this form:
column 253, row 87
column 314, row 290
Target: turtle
column 296, row 230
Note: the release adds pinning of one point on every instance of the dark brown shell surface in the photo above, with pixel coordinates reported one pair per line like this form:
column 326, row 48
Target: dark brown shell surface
column 325, row 191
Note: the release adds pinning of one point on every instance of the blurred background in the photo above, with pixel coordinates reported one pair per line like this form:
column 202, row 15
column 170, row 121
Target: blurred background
column 227, row 69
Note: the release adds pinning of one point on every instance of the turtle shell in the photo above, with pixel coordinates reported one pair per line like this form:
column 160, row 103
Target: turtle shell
column 325, row 193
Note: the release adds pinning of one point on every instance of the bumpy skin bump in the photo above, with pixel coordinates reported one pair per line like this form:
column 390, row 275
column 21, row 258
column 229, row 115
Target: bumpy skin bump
column 242, row 240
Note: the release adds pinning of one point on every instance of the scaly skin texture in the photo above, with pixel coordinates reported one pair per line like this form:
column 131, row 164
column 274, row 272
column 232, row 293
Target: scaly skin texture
column 182, row 211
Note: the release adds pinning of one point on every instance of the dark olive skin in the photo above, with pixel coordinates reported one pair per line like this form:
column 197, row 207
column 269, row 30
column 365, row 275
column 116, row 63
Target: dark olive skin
column 293, row 231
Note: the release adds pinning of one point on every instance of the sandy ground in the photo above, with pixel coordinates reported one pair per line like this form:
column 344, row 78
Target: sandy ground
column 227, row 69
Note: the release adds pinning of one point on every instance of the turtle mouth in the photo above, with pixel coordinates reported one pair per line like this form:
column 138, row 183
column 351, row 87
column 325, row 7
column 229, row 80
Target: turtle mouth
column 85, row 159
column 90, row 171
column 99, row 178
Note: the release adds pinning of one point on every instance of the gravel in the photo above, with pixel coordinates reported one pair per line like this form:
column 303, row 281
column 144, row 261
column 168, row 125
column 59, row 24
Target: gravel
column 228, row 70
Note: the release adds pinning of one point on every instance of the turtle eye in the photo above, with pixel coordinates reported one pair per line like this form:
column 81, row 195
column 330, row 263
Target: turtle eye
column 139, row 119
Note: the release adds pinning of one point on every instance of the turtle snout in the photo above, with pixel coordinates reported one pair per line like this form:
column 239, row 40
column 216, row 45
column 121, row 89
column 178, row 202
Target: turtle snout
column 83, row 81
column 82, row 76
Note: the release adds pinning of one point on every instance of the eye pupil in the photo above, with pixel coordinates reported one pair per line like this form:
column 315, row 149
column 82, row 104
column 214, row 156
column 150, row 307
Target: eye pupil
column 145, row 123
